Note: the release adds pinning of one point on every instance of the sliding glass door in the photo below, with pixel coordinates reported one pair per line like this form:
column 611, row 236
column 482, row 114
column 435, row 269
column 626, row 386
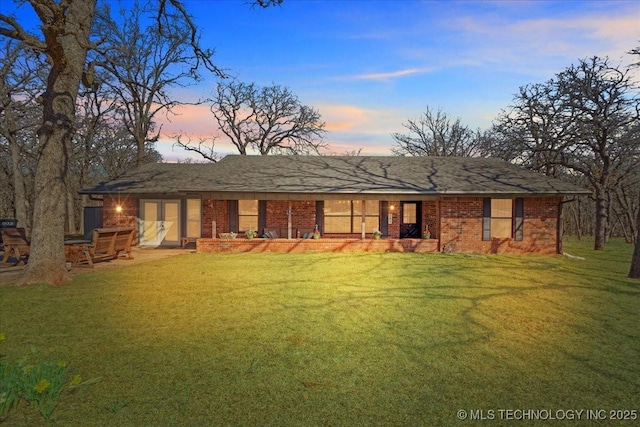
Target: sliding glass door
column 160, row 223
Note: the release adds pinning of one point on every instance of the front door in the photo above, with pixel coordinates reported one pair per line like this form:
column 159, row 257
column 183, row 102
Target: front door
column 160, row 223
column 410, row 214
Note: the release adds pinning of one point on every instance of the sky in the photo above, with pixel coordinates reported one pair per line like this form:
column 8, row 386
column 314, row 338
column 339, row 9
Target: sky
column 369, row 66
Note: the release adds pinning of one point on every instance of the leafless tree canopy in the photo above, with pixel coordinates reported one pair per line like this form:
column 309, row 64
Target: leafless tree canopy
column 205, row 147
column 268, row 120
column 583, row 123
column 145, row 62
column 435, row 134
column 22, row 76
column 65, row 40
column 634, row 271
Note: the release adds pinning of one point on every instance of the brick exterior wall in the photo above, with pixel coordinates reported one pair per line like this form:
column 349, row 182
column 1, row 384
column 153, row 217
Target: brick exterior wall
column 218, row 211
column 430, row 217
column 455, row 224
column 393, row 229
column 303, row 216
column 127, row 217
column 311, row 245
column 461, row 227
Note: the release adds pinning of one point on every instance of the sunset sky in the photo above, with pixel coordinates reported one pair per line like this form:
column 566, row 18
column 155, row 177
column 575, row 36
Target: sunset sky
column 368, row 66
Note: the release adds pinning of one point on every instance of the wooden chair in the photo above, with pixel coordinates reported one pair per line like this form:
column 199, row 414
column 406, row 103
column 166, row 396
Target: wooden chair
column 123, row 242
column 102, row 245
column 16, row 245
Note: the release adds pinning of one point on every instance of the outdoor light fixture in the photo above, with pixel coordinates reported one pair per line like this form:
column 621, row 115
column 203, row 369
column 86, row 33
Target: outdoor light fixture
column 119, row 209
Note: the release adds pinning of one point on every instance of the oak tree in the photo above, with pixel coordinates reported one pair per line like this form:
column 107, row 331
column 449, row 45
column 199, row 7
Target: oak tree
column 435, row 134
column 146, row 62
column 65, row 38
column 65, row 29
column 582, row 122
column 267, row 119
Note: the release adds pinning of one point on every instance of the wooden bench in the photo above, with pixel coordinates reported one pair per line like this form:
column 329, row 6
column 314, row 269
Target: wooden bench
column 16, row 245
column 106, row 244
column 123, row 242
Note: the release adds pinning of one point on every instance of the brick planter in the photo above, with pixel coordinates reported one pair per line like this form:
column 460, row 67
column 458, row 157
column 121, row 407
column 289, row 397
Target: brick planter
column 319, row 245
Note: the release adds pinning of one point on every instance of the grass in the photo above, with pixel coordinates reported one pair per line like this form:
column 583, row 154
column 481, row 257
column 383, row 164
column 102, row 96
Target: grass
column 335, row 339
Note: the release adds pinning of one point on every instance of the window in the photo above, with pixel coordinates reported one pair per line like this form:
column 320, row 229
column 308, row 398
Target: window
column 409, row 213
column 193, row 217
column 345, row 216
column 247, row 215
column 498, row 219
column 501, row 218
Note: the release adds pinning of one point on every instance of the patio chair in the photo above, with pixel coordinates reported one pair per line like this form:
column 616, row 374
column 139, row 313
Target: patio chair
column 16, row 245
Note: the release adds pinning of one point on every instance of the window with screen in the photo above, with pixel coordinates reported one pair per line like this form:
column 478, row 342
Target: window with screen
column 501, row 218
column 499, row 221
column 345, row 216
column 193, row 217
column 247, row 215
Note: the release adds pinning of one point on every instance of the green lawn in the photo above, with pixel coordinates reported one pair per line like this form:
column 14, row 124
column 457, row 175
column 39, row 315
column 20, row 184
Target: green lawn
column 334, row 339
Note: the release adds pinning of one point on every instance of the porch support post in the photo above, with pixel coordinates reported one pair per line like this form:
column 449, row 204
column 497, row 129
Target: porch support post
column 214, row 223
column 364, row 223
column 289, row 221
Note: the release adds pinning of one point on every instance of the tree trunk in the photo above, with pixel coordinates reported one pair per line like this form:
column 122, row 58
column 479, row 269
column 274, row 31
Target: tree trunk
column 10, row 130
column 601, row 219
column 67, row 38
column 140, row 155
column 71, row 211
column 634, row 272
column 19, row 193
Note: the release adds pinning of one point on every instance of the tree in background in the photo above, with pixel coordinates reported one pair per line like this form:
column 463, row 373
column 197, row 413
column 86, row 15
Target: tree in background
column 435, row 134
column 634, row 271
column 22, row 75
column 102, row 148
column 583, row 123
column 65, row 30
column 145, row 63
column 65, row 40
column 268, row 120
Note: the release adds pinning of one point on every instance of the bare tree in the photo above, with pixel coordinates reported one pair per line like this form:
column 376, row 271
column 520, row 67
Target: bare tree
column 582, row 122
column 634, row 271
column 604, row 135
column 65, row 29
column 65, row 40
column 531, row 132
column 146, row 63
column 268, row 120
column 205, row 147
column 435, row 134
column 102, row 147
column 20, row 86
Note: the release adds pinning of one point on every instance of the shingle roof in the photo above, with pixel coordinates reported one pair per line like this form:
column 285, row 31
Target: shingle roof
column 337, row 174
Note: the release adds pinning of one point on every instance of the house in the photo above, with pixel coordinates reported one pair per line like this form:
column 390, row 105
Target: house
column 478, row 205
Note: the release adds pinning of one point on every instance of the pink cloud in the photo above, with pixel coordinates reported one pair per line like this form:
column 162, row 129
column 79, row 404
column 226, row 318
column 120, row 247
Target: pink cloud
column 388, row 75
column 196, row 120
column 497, row 39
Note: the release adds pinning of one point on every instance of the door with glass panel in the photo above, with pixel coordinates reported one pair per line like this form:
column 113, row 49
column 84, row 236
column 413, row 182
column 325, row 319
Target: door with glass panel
column 410, row 214
column 160, row 223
